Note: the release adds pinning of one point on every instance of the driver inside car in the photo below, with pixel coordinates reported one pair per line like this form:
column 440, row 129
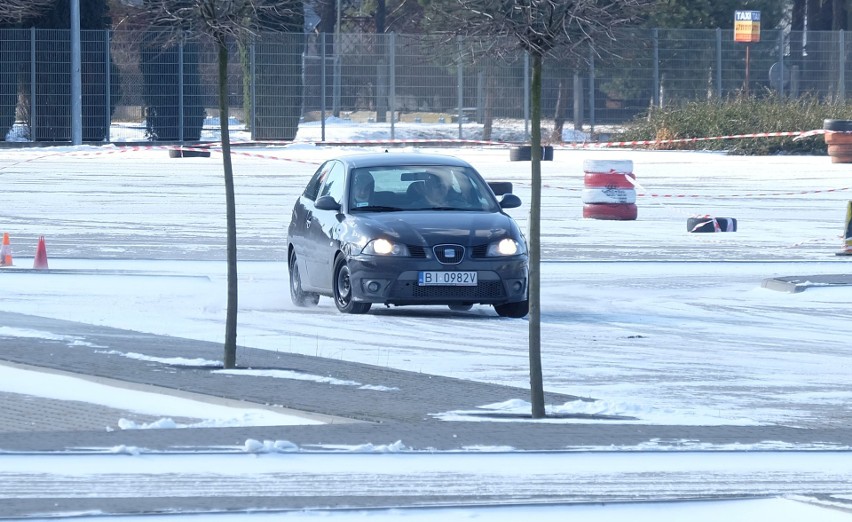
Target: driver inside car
column 362, row 189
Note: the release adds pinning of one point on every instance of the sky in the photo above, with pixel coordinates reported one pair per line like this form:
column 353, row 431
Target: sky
column 647, row 319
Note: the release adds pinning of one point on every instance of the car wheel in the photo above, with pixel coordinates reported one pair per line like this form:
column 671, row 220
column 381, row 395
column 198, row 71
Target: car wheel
column 297, row 295
column 517, row 310
column 343, row 290
column 464, row 307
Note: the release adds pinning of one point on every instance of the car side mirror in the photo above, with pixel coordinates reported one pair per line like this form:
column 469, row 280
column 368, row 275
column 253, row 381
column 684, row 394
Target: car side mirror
column 327, row 203
column 510, row 201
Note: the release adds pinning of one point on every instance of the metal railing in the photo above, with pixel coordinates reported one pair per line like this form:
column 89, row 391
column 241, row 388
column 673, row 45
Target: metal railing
column 136, row 88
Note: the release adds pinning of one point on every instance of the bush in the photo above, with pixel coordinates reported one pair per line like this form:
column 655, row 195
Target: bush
column 736, row 116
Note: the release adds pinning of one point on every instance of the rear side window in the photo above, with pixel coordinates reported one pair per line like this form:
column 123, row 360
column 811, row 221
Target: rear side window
column 314, row 185
column 333, row 185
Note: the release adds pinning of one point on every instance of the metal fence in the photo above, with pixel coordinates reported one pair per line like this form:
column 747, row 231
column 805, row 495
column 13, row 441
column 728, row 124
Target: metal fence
column 137, row 87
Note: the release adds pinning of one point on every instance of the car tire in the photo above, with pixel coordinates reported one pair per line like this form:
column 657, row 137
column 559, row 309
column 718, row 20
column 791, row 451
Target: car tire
column 515, row 310
column 461, row 307
column 702, row 224
column 299, row 297
column 183, row 153
column 343, row 290
column 524, row 153
column 837, row 125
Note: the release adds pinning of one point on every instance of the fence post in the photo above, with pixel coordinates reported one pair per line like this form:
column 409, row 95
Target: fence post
column 322, row 84
column 392, row 82
column 719, row 63
column 480, row 96
column 76, row 76
column 578, row 101
column 382, row 77
column 526, row 97
column 180, row 94
column 253, row 95
column 336, row 79
column 107, row 88
column 655, row 97
column 591, row 89
column 841, row 76
column 781, row 63
column 33, row 104
column 460, row 88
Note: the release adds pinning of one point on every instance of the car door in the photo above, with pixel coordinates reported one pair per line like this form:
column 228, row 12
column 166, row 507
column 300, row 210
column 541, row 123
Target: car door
column 321, row 228
column 301, row 221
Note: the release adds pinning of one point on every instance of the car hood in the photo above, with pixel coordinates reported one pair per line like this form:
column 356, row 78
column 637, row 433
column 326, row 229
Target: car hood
column 430, row 228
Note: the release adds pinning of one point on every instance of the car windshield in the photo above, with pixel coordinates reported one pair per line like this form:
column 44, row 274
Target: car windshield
column 419, row 187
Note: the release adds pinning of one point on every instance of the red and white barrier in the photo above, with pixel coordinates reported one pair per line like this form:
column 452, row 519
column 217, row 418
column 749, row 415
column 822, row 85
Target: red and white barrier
column 608, row 190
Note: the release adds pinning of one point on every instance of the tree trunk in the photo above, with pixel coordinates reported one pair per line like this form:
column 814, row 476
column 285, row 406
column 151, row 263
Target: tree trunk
column 230, row 359
column 536, row 383
column 488, row 113
column 559, row 113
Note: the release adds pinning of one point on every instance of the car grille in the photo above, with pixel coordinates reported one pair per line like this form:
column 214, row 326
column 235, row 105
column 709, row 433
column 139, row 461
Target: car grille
column 476, row 252
column 417, row 251
column 449, row 254
column 484, row 290
column 479, row 251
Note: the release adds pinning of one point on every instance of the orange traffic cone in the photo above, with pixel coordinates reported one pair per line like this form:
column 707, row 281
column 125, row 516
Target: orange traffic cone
column 6, row 251
column 40, row 262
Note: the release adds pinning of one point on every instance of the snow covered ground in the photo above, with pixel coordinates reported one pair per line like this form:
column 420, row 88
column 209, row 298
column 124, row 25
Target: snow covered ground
column 652, row 321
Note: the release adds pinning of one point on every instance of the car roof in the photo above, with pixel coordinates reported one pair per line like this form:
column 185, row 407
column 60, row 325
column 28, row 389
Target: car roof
column 381, row 159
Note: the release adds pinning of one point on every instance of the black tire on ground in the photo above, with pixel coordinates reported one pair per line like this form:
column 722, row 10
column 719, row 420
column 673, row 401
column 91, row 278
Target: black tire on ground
column 524, row 153
column 837, row 125
column 618, row 212
column 183, row 153
column 727, row 224
column 297, row 295
column 708, row 224
column 515, row 310
column 343, row 290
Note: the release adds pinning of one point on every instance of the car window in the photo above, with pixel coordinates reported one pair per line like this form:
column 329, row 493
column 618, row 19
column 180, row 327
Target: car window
column 402, row 187
column 313, row 187
column 333, row 185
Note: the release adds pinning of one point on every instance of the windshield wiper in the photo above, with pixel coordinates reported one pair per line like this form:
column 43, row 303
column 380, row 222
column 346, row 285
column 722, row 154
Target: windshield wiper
column 378, row 208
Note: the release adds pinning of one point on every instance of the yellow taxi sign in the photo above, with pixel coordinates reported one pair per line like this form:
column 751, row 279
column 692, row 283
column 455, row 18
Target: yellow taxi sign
column 747, row 26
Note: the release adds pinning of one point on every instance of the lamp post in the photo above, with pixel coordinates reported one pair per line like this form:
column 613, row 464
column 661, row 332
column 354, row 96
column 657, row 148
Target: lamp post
column 335, row 100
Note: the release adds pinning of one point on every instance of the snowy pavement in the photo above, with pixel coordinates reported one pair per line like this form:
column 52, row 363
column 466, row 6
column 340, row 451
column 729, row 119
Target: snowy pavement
column 643, row 318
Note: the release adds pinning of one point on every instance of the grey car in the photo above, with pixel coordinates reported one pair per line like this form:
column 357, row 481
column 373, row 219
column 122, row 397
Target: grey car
column 406, row 229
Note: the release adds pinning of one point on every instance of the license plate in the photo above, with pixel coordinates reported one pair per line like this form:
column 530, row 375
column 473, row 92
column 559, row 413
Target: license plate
column 447, row 279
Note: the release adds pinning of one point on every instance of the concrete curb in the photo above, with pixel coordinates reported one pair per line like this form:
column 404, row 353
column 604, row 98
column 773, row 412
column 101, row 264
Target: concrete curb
column 796, row 284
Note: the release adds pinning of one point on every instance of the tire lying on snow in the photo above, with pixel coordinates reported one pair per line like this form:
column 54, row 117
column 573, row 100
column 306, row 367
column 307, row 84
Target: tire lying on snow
column 711, row 224
column 837, row 125
column 524, row 153
column 184, row 153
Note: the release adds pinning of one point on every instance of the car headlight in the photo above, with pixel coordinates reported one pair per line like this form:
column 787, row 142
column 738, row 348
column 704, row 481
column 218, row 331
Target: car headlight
column 384, row 247
column 505, row 247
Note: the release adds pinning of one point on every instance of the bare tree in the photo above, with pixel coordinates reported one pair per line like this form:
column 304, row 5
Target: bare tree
column 18, row 11
column 541, row 28
column 221, row 22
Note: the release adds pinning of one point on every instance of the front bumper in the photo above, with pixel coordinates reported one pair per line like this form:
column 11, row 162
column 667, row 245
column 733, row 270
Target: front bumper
column 393, row 281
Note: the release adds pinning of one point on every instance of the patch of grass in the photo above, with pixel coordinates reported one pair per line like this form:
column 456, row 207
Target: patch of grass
column 736, row 116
